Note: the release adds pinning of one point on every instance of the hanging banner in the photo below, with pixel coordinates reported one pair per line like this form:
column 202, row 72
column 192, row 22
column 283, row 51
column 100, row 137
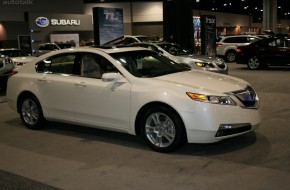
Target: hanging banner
column 108, row 24
column 208, row 35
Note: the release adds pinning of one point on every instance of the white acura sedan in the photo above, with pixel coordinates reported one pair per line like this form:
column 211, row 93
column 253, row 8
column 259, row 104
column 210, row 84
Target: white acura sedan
column 136, row 91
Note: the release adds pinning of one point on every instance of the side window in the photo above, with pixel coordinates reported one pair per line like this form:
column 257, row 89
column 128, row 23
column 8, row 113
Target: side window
column 94, row 66
column 272, row 43
column 42, row 47
column 284, row 43
column 252, row 39
column 241, row 40
column 287, row 42
column 129, row 41
column 63, row 63
column 229, row 40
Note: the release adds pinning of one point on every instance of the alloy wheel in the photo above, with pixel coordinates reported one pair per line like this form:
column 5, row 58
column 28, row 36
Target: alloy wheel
column 160, row 130
column 30, row 112
column 254, row 63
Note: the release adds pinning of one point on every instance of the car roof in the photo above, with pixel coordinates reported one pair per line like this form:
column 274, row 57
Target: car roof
column 8, row 49
column 153, row 43
column 135, row 36
column 247, row 35
column 106, row 49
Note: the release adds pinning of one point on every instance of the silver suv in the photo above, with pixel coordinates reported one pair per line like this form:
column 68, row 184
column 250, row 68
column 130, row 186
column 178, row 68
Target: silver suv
column 226, row 46
column 6, row 66
column 18, row 57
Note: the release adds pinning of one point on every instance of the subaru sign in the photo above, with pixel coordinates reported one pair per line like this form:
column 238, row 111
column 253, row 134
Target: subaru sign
column 42, row 21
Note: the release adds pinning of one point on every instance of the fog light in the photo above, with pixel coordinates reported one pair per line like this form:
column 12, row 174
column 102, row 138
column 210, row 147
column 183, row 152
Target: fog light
column 231, row 129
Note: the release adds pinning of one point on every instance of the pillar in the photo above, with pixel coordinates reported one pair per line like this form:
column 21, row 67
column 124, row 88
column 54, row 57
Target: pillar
column 270, row 15
column 177, row 22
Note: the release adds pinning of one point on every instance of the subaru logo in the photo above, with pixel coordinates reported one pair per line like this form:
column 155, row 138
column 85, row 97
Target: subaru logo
column 42, row 21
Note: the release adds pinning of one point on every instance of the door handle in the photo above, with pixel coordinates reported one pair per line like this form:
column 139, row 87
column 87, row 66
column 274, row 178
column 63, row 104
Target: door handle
column 43, row 80
column 81, row 84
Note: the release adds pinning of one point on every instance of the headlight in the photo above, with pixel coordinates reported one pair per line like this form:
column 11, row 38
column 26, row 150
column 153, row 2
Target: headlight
column 223, row 100
column 206, row 65
column 18, row 63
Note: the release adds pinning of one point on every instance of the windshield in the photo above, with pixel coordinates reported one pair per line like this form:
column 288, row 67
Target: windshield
column 13, row 53
column 175, row 49
column 143, row 38
column 147, row 63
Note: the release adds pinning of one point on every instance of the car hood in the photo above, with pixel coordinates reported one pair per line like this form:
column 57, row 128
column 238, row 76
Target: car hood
column 205, row 81
column 202, row 58
column 23, row 59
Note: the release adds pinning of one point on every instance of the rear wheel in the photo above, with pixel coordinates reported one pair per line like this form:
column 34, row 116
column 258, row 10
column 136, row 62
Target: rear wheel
column 162, row 129
column 31, row 112
column 230, row 56
column 254, row 63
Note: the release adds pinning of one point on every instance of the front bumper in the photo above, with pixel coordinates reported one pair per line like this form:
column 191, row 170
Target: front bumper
column 211, row 123
column 218, row 70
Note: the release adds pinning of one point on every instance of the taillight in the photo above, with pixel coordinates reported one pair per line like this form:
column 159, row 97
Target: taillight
column 219, row 45
column 13, row 73
column 239, row 50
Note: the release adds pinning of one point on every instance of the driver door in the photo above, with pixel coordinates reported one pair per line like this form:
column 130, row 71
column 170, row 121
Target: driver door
column 105, row 104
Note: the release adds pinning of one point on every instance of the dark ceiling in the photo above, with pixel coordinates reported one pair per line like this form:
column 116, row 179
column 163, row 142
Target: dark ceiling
column 245, row 7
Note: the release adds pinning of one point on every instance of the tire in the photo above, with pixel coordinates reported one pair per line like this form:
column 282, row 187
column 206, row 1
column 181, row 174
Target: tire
column 254, row 63
column 162, row 129
column 230, row 56
column 31, row 112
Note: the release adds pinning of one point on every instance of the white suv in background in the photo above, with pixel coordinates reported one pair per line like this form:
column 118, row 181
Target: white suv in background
column 6, row 66
column 226, row 46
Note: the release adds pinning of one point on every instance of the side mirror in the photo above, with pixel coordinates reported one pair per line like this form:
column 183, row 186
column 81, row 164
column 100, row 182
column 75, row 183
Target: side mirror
column 111, row 77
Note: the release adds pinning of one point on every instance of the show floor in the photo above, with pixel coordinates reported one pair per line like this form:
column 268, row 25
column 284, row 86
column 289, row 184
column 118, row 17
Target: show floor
column 70, row 157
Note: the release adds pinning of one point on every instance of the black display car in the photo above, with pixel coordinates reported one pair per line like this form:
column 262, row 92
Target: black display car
column 272, row 51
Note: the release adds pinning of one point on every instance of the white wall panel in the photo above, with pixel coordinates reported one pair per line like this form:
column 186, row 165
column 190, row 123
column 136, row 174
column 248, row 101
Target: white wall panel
column 147, row 11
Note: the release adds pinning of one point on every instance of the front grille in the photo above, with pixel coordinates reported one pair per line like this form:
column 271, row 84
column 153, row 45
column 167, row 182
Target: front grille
column 221, row 65
column 247, row 97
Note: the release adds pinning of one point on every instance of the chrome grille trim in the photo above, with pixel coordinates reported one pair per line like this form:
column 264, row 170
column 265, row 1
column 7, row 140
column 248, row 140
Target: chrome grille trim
column 245, row 98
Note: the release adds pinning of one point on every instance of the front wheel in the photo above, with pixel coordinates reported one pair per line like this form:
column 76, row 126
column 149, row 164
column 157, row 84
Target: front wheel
column 254, row 63
column 31, row 112
column 162, row 129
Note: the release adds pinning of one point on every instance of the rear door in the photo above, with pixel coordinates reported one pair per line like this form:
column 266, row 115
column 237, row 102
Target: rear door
column 284, row 49
column 55, row 85
column 274, row 52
